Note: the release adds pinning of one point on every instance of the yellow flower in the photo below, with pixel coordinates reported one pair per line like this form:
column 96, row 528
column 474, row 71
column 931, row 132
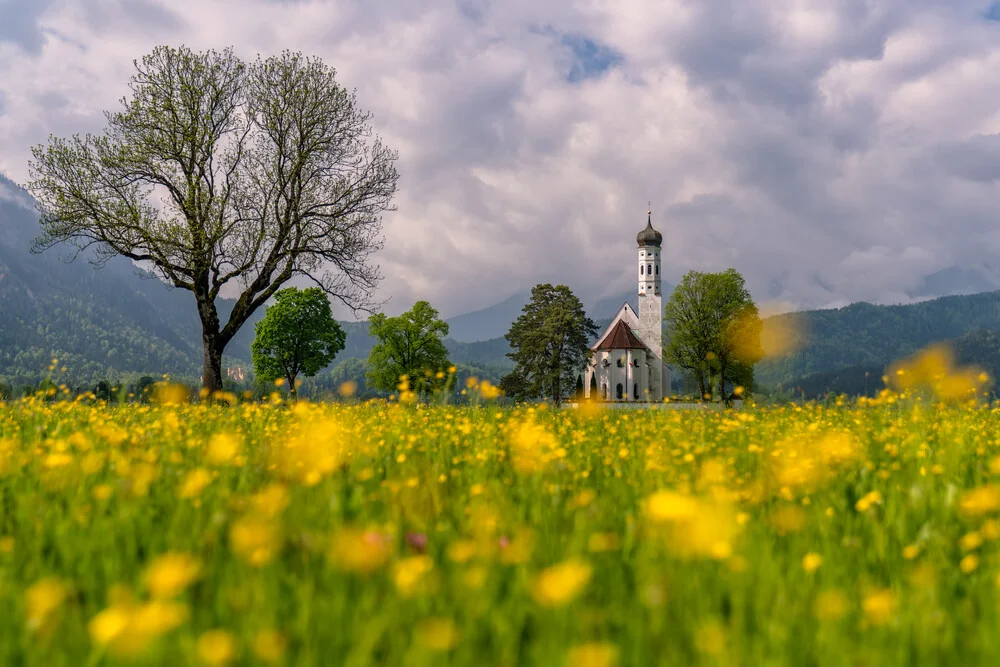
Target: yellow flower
column 171, row 573
column 269, row 645
column 879, row 606
column 979, row 501
column 256, row 540
column 216, row 647
column 667, row 506
column 223, row 449
column 969, row 563
column 194, row 483
column 271, row 501
column 437, row 634
column 868, row 500
column 592, row 654
column 811, row 562
column 357, row 550
column 410, row 572
column 462, row 551
column 42, row 600
column 127, row 630
column 561, row 583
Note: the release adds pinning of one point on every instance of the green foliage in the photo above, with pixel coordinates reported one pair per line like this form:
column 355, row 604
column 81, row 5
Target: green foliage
column 549, row 343
column 411, row 344
column 713, row 329
column 297, row 335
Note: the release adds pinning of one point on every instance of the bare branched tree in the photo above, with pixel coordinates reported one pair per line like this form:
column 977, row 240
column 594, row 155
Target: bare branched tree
column 221, row 172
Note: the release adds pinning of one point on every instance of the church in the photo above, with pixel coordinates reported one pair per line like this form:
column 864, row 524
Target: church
column 626, row 362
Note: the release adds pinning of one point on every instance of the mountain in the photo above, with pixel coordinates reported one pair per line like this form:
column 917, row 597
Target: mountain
column 490, row 322
column 117, row 323
column 980, row 348
column 100, row 324
column 865, row 335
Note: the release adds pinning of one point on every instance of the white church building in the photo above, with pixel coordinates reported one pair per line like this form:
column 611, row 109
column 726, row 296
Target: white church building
column 626, row 362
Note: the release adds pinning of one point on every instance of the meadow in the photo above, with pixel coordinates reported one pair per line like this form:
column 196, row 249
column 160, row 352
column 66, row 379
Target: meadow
column 846, row 533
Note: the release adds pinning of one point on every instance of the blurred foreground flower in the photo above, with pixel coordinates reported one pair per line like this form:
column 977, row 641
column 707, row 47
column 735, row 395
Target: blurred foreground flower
column 934, row 369
column 693, row 527
column 561, row 583
column 42, row 602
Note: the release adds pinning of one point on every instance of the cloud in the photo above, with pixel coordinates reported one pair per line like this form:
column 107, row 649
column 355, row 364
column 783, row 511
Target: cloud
column 830, row 150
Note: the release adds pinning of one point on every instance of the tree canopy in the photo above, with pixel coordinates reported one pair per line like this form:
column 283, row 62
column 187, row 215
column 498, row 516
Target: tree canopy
column 222, row 174
column 410, row 345
column 298, row 335
column 713, row 330
column 549, row 343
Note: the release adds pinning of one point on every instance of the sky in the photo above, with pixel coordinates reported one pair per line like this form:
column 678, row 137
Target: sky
column 830, row 150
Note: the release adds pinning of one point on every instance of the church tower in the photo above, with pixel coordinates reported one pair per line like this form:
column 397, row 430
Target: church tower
column 651, row 307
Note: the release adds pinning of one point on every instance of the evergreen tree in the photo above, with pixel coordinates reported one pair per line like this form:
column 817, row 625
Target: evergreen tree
column 549, row 343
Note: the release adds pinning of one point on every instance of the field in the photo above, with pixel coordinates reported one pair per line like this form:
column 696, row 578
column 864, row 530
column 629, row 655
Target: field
column 389, row 534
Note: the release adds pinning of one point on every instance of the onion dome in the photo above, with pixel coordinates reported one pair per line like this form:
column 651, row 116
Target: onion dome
column 649, row 236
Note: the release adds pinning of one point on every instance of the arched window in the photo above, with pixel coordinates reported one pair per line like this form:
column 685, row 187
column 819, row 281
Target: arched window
column 604, row 390
column 640, row 270
column 657, row 269
column 620, row 362
column 635, row 390
column 635, row 362
column 649, row 269
column 618, row 391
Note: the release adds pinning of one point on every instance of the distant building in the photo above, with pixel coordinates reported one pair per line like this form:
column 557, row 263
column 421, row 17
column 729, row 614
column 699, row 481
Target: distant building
column 627, row 360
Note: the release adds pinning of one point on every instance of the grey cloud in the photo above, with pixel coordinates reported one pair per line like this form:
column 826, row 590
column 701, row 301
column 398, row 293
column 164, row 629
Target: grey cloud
column 804, row 163
column 976, row 159
column 149, row 16
column 19, row 23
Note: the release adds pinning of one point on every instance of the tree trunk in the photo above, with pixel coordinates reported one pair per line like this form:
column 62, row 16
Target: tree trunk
column 292, row 392
column 212, row 374
column 722, row 385
column 211, row 379
column 701, row 386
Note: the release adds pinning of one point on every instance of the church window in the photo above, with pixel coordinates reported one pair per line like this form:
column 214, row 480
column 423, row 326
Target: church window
column 635, row 362
column 657, row 270
column 649, row 269
column 635, row 390
column 618, row 391
column 620, row 364
column 640, row 270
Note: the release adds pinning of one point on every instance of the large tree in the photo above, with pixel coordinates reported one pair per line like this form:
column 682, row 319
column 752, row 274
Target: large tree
column 411, row 344
column 549, row 343
column 713, row 329
column 226, row 177
column 297, row 335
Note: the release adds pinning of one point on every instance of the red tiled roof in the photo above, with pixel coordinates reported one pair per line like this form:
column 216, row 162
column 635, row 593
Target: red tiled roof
column 621, row 338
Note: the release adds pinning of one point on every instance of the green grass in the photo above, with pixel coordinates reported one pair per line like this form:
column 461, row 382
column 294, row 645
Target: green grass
column 423, row 535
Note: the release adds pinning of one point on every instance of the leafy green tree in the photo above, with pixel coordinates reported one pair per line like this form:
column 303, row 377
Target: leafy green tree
column 298, row 335
column 713, row 329
column 225, row 174
column 411, row 344
column 549, row 344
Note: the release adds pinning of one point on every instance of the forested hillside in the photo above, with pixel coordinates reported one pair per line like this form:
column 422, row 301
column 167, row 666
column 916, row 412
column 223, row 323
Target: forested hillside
column 114, row 324
column 105, row 324
column 864, row 336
